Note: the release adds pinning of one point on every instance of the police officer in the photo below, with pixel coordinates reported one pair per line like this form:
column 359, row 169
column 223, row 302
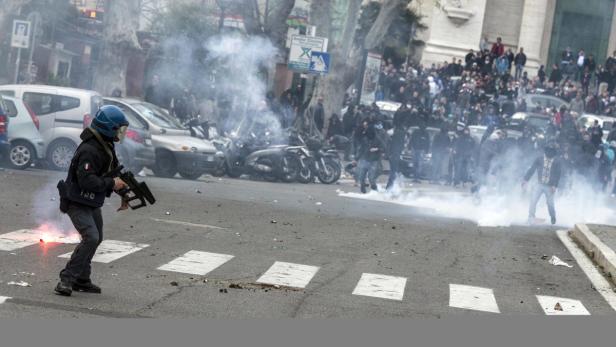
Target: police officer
column 85, row 191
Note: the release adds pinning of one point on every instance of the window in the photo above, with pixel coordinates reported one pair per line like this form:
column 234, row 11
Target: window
column 96, row 102
column 40, row 103
column 10, row 109
column 7, row 92
column 68, row 103
column 157, row 116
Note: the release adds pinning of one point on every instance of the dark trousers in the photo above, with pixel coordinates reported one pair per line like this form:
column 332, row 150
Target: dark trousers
column 367, row 169
column 394, row 169
column 89, row 223
column 461, row 170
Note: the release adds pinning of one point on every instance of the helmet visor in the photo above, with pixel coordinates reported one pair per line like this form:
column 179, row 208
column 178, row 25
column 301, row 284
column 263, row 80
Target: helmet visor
column 122, row 133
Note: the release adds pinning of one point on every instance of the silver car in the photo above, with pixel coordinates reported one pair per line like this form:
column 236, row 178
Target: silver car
column 27, row 145
column 176, row 150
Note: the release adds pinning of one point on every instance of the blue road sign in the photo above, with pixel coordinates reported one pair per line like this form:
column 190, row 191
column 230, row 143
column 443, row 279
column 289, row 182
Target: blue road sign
column 319, row 62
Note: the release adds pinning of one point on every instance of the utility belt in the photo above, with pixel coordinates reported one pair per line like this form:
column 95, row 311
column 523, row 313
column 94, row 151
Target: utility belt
column 70, row 192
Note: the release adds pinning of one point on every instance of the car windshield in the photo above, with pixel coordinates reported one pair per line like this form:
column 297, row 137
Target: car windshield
column 158, row 116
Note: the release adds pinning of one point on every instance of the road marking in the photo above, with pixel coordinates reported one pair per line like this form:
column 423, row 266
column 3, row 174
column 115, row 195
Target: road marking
column 598, row 281
column 196, row 263
column 381, row 286
column 3, row 299
column 472, row 298
column 567, row 307
column 289, row 275
column 18, row 239
column 111, row 250
column 188, row 224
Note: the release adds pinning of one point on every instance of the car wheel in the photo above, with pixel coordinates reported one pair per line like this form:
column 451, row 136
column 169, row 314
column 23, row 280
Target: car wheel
column 21, row 155
column 60, row 154
column 191, row 175
column 165, row 164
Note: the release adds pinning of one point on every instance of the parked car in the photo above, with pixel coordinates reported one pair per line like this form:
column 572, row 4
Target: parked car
column 4, row 138
column 61, row 113
column 536, row 121
column 175, row 149
column 27, row 145
column 544, row 101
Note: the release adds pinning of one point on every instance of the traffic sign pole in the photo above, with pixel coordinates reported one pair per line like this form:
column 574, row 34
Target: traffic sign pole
column 17, row 62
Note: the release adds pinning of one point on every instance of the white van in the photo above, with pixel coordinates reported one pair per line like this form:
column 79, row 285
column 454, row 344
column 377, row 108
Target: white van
column 61, row 112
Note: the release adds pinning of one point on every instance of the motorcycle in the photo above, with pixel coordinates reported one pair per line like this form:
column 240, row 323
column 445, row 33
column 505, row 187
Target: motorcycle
column 259, row 158
column 316, row 160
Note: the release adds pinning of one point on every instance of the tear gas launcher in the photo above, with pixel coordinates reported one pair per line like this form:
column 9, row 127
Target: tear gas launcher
column 136, row 191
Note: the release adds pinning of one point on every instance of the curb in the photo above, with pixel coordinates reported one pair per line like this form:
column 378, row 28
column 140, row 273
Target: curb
column 598, row 251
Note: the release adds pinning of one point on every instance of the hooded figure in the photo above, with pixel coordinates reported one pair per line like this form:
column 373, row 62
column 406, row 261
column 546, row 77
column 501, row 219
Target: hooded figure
column 548, row 170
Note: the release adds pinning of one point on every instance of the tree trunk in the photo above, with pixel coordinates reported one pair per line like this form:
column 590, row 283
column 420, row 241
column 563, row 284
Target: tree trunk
column 348, row 58
column 119, row 43
column 276, row 26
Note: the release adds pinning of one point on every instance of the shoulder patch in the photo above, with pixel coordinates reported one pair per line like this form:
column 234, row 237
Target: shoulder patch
column 87, row 166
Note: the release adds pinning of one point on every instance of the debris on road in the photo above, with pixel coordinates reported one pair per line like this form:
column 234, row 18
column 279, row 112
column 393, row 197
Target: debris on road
column 174, row 283
column 168, row 213
column 223, row 290
column 236, row 286
column 558, row 307
column 273, row 221
column 544, row 257
column 319, row 203
column 20, row 284
column 197, row 191
column 557, row 262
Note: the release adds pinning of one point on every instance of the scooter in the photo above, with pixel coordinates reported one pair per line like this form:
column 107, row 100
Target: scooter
column 317, row 160
column 261, row 159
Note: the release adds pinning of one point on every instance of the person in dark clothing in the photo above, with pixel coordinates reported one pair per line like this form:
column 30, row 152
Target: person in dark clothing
column 519, row 62
column 319, row 115
column 441, row 145
column 85, row 193
column 184, row 106
column 368, row 154
column 463, row 149
column 335, row 127
column 402, row 119
column 556, row 76
column 596, row 134
column 541, row 74
column 349, row 121
column 548, row 170
column 420, row 145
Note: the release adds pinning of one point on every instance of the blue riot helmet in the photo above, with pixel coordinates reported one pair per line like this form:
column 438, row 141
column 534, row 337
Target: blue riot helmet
column 110, row 122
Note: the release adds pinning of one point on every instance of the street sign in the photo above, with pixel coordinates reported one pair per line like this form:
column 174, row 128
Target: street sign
column 300, row 54
column 21, row 34
column 319, row 62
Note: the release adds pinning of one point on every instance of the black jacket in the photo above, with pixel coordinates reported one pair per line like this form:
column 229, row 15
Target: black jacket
column 91, row 162
column 520, row 59
column 538, row 166
column 420, row 140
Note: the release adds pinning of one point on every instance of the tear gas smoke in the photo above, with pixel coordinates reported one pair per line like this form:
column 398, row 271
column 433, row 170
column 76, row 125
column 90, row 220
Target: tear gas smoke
column 503, row 202
column 52, row 225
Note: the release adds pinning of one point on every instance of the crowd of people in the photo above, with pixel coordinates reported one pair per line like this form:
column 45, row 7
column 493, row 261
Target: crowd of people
column 484, row 89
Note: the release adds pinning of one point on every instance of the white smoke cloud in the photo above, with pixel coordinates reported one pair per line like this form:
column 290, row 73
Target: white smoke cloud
column 503, row 202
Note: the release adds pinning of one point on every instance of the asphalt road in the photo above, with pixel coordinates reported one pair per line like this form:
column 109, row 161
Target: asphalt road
column 420, row 265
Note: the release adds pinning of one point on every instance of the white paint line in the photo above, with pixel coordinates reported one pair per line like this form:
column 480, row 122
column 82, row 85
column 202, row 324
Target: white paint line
column 289, row 275
column 196, row 263
column 472, row 298
column 111, row 250
column 18, row 239
column 188, row 224
column 600, row 283
column 381, row 286
column 567, row 307
column 3, row 299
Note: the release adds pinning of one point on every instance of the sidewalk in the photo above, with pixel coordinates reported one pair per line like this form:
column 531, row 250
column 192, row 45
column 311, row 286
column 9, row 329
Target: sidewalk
column 599, row 243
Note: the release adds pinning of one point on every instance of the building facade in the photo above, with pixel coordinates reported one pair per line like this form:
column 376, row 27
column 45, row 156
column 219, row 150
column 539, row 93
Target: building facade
column 544, row 28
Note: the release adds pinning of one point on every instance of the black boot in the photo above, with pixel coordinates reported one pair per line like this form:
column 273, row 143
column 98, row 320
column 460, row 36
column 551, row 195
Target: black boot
column 63, row 288
column 553, row 220
column 86, row 287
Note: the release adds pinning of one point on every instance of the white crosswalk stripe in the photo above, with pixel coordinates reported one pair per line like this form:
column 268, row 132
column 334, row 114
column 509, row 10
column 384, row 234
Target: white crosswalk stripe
column 380, row 286
column 18, row 239
column 196, row 263
column 289, row 275
column 472, row 298
column 111, row 250
column 3, row 299
column 554, row 306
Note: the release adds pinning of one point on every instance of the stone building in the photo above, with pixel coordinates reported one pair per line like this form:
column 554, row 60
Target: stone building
column 544, row 28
